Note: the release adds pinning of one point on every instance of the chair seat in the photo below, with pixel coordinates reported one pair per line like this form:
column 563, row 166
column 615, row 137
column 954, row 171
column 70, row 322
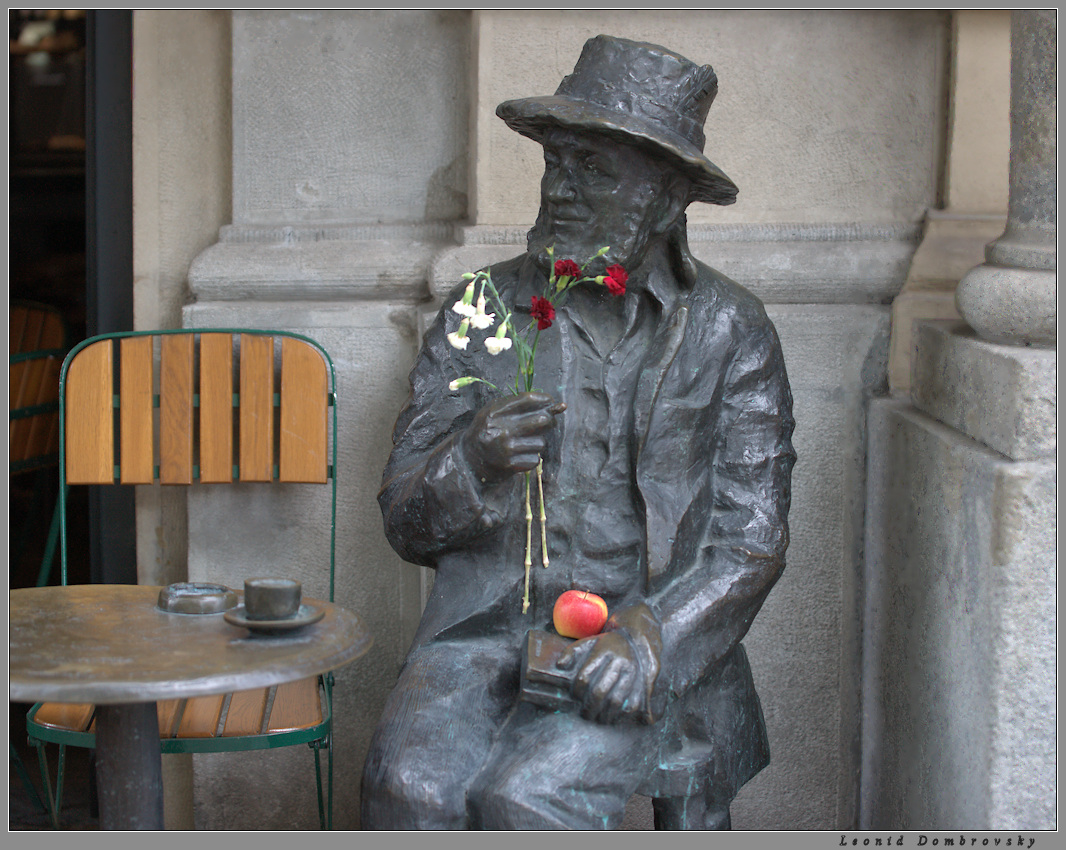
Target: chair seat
column 282, row 708
column 69, row 717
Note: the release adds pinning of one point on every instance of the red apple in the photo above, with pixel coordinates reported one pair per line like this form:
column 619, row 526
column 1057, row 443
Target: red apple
column 579, row 614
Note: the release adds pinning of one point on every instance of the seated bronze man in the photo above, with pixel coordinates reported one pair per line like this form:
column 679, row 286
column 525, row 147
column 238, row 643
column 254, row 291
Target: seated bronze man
column 666, row 480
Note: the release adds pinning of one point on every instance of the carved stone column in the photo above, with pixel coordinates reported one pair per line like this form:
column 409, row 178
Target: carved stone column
column 1011, row 297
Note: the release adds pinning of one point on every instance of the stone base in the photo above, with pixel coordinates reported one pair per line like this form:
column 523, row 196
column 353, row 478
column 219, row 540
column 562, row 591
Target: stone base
column 959, row 654
column 1009, row 305
column 1000, row 395
column 959, row 624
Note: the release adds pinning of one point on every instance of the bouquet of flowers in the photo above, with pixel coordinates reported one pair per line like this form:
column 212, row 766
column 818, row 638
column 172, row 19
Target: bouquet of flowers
column 565, row 275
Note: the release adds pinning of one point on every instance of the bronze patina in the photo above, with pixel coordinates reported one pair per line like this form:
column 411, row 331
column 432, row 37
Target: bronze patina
column 667, row 478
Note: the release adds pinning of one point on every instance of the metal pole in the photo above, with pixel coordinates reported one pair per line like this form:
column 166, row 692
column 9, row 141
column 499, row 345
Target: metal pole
column 129, row 766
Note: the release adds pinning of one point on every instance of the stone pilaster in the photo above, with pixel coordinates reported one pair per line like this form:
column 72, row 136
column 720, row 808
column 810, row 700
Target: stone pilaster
column 1011, row 297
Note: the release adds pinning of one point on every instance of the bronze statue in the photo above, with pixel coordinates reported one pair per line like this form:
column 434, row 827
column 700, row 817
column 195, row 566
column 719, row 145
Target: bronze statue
column 667, row 482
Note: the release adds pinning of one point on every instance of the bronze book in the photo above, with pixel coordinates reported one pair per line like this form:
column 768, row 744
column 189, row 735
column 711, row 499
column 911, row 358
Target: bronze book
column 542, row 682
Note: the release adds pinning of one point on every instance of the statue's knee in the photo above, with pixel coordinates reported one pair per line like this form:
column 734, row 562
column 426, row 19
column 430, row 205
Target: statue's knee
column 499, row 802
column 401, row 796
column 483, row 800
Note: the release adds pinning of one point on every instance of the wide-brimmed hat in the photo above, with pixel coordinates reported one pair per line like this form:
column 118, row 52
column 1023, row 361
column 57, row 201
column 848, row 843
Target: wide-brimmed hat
column 640, row 93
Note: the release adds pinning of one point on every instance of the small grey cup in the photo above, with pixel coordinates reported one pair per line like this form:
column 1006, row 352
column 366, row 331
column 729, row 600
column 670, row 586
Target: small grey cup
column 271, row 598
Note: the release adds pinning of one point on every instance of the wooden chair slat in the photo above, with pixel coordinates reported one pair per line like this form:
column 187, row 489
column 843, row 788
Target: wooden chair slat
column 201, row 716
column 257, row 408
column 304, row 391
column 27, row 378
column 17, row 329
column 245, row 714
column 90, row 416
column 64, row 715
column 18, row 384
column 33, row 387
column 52, row 332
column 43, row 433
column 216, row 408
column 31, row 332
column 34, row 382
column 14, row 385
column 136, row 428
column 175, row 408
column 296, row 706
column 170, row 712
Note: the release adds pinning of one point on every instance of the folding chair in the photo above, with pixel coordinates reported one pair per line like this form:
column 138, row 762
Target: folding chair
column 37, row 344
column 194, row 407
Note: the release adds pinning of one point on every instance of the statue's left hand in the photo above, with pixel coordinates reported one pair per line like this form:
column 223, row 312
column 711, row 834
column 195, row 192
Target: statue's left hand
column 609, row 683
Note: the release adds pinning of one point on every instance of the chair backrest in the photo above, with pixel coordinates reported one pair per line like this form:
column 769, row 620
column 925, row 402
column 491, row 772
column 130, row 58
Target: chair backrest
column 210, row 406
column 37, row 344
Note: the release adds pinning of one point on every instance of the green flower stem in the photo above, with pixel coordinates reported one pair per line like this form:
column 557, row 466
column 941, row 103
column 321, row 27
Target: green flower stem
column 529, row 542
column 525, row 348
column 543, row 516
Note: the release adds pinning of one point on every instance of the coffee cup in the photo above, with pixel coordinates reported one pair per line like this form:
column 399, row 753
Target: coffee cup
column 271, row 598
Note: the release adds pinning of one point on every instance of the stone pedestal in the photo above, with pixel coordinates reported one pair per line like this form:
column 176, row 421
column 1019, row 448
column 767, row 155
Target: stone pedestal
column 959, row 653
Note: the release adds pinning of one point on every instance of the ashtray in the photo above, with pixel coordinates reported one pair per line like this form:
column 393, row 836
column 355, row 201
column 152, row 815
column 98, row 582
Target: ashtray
column 189, row 597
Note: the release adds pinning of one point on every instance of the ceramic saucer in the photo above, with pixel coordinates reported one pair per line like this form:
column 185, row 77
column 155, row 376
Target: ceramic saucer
column 305, row 616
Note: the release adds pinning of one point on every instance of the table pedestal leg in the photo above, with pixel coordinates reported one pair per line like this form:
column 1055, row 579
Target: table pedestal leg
column 129, row 766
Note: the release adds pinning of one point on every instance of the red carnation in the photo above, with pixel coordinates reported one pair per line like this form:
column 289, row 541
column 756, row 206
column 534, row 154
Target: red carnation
column 616, row 280
column 543, row 312
column 567, row 268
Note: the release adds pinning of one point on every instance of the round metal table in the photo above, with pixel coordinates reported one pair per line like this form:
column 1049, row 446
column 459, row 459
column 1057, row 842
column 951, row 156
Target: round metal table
column 111, row 645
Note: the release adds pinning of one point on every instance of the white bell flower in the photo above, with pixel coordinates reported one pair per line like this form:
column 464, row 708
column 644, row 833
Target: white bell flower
column 480, row 319
column 459, row 383
column 499, row 342
column 465, row 306
column 458, row 338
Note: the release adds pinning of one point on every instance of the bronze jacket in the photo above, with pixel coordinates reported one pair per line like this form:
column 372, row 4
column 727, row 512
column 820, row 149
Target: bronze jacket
column 712, row 427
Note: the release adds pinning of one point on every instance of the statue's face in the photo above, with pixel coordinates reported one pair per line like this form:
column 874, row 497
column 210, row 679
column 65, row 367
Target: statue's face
column 595, row 192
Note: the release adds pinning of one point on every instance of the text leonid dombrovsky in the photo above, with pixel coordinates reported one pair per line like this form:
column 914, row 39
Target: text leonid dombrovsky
column 930, row 841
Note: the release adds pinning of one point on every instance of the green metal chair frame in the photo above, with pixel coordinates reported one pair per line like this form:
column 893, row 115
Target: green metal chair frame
column 317, row 737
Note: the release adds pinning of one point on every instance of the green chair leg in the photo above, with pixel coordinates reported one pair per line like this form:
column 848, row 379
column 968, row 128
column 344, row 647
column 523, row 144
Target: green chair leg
column 29, row 524
column 55, row 801
column 325, row 801
column 318, row 784
column 27, row 783
column 49, row 548
column 60, row 775
column 329, row 783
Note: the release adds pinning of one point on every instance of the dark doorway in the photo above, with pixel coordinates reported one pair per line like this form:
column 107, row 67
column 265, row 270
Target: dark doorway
column 71, row 237
column 109, row 254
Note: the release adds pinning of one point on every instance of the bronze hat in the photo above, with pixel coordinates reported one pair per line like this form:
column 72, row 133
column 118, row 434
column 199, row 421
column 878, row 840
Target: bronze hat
column 640, row 93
